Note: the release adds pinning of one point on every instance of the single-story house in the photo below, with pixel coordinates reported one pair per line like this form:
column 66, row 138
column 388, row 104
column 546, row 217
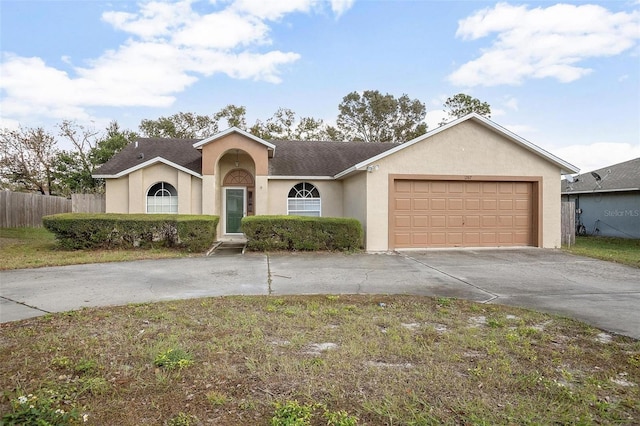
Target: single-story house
column 607, row 200
column 469, row 183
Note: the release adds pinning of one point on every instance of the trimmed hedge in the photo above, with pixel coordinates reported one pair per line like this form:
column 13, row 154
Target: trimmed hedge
column 266, row 233
column 194, row 233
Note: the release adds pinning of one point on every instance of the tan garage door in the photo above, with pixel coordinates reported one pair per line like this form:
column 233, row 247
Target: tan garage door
column 430, row 213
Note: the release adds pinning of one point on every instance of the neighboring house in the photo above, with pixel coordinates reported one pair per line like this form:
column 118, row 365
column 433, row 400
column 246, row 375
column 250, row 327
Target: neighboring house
column 607, row 200
column 469, row 183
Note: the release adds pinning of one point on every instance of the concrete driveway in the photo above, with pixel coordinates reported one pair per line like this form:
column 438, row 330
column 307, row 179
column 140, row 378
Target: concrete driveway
column 600, row 293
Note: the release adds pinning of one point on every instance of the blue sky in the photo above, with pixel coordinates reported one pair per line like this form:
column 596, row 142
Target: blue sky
column 565, row 76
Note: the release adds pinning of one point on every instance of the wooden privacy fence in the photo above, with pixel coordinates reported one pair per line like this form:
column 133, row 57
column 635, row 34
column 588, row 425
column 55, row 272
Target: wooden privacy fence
column 568, row 222
column 87, row 203
column 18, row 209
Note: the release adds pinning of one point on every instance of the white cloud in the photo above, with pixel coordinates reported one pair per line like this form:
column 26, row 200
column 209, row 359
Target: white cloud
column 597, row 155
column 434, row 118
column 340, row 6
column 542, row 42
column 273, row 9
column 171, row 45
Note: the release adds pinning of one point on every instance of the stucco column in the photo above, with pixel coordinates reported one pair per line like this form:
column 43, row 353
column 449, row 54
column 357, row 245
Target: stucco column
column 184, row 193
column 137, row 194
column 261, row 196
column 209, row 194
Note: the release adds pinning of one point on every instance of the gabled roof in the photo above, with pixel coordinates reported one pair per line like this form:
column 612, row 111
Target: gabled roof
column 178, row 153
column 618, row 177
column 200, row 144
column 329, row 160
column 313, row 158
column 563, row 165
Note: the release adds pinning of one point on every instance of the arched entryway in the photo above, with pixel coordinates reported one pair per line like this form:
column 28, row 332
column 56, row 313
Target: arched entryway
column 238, row 189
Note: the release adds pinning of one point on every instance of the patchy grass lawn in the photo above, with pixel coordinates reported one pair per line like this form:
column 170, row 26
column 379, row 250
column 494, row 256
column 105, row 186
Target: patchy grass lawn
column 36, row 247
column 620, row 250
column 387, row 360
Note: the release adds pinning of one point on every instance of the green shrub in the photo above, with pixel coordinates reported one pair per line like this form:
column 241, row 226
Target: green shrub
column 267, row 233
column 74, row 231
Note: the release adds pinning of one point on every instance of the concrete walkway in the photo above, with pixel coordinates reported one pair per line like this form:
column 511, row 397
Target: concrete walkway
column 600, row 293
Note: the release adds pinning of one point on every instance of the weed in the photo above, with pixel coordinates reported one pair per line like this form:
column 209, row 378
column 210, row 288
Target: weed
column 85, row 366
column 292, row 413
column 340, row 418
column 445, row 302
column 182, row 419
column 43, row 410
column 174, row 358
column 216, row 398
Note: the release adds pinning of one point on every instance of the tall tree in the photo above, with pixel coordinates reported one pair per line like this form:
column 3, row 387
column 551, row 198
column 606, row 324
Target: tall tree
column 72, row 169
column 285, row 125
column 180, row 125
column 26, row 160
column 374, row 117
column 235, row 116
column 462, row 104
column 113, row 142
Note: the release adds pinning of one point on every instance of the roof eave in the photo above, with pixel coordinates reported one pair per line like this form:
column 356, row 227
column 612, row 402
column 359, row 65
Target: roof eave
column 596, row 191
column 565, row 167
column 230, row 130
column 300, row 177
column 147, row 164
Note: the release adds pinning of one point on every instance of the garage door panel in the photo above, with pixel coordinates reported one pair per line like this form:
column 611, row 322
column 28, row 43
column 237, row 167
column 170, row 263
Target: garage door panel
column 522, row 205
column 420, row 204
column 403, row 186
column 402, row 222
column 403, row 204
column 520, row 221
column 489, row 204
column 505, row 221
column 523, row 188
column 455, row 221
column 456, row 204
column 420, row 238
column 421, row 187
column 454, row 239
column 487, row 238
column 438, row 239
column 472, row 221
column 462, row 213
column 402, row 239
column 456, row 187
column 420, row 221
column 505, row 204
column 471, row 239
column 438, row 204
column 488, row 221
column 438, row 221
column 472, row 204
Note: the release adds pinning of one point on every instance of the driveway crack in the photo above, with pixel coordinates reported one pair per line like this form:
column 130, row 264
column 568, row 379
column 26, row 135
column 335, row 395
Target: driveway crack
column 24, row 304
column 269, row 280
column 493, row 295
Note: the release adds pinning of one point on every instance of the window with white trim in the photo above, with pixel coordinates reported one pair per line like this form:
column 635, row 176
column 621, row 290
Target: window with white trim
column 304, row 200
column 162, row 198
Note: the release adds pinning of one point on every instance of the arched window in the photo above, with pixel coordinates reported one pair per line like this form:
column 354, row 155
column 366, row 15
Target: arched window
column 304, row 200
column 162, row 198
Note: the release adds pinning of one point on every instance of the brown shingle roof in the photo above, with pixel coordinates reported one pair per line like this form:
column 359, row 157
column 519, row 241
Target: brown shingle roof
column 177, row 151
column 292, row 158
column 617, row 177
column 312, row 158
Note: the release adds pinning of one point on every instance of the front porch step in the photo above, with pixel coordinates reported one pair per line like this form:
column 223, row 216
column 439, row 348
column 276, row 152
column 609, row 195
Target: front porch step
column 227, row 248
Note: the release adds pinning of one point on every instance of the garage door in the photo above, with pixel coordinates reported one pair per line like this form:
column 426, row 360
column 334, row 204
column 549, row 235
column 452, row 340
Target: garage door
column 434, row 213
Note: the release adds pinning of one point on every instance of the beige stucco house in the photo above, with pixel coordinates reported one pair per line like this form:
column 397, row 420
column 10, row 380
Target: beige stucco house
column 470, row 183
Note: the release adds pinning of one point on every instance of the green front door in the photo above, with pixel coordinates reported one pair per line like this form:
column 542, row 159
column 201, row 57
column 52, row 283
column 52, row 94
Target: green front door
column 234, row 209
